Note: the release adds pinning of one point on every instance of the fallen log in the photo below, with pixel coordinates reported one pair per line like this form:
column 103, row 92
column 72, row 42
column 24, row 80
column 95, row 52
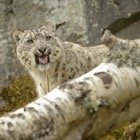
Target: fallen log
column 87, row 107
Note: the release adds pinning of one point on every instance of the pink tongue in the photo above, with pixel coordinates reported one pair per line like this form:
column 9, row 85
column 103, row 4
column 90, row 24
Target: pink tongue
column 43, row 60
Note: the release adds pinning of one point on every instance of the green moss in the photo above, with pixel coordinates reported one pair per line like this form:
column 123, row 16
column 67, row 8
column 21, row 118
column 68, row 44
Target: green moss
column 20, row 92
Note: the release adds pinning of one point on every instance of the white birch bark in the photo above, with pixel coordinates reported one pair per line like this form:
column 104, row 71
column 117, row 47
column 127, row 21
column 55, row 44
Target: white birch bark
column 85, row 108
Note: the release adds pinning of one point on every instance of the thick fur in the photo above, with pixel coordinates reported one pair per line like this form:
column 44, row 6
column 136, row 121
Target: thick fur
column 67, row 60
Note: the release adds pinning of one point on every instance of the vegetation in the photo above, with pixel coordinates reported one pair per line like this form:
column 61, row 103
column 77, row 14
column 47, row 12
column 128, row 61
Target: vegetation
column 20, row 92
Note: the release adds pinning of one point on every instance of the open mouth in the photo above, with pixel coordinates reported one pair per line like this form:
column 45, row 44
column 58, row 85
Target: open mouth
column 42, row 60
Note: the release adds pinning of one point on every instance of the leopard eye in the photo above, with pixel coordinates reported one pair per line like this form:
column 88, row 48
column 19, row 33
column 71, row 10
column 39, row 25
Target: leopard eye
column 49, row 37
column 30, row 41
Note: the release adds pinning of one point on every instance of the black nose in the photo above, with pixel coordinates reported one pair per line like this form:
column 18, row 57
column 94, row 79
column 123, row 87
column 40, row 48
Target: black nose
column 42, row 50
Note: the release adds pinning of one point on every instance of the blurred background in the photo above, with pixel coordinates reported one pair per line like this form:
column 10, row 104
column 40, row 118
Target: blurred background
column 79, row 21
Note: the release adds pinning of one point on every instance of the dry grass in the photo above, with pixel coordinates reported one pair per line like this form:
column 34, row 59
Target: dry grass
column 20, row 92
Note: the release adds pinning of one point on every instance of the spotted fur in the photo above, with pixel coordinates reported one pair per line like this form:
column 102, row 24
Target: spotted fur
column 52, row 62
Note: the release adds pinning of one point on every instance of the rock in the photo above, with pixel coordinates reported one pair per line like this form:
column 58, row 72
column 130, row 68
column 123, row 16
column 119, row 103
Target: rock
column 80, row 21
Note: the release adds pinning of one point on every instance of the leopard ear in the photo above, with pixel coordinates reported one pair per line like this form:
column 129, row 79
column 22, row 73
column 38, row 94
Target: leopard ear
column 17, row 35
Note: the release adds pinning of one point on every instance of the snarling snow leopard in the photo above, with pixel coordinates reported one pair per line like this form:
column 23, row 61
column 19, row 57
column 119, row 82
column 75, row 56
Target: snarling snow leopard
column 51, row 62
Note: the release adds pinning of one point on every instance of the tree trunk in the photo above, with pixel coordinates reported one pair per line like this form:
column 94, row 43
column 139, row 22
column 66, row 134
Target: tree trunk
column 85, row 108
